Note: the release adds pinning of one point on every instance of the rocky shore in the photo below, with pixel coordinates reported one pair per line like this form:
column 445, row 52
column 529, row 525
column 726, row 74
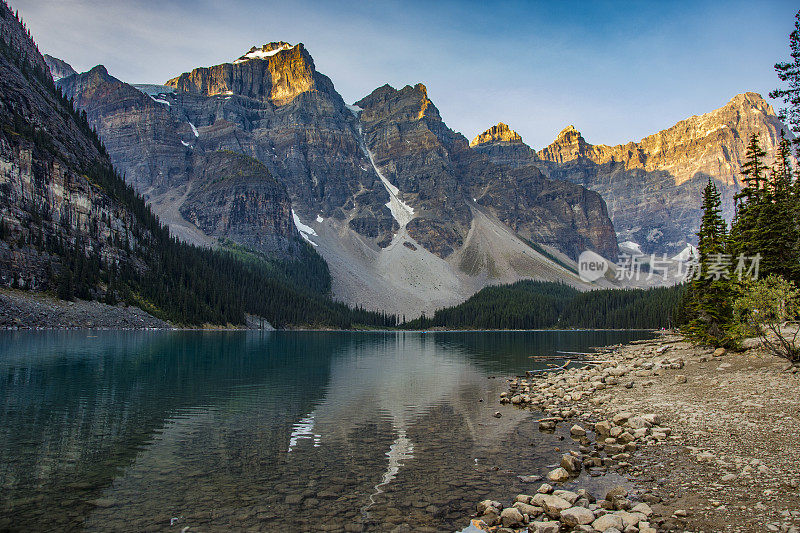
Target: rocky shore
column 31, row 310
column 689, row 439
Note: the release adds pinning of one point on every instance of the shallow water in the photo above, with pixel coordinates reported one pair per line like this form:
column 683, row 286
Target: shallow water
column 280, row 431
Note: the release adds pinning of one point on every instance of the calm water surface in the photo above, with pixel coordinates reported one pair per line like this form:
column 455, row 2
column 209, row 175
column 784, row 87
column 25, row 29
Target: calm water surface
column 281, row 431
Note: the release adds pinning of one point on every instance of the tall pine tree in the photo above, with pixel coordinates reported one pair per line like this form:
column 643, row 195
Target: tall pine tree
column 744, row 238
column 775, row 235
column 789, row 73
column 710, row 303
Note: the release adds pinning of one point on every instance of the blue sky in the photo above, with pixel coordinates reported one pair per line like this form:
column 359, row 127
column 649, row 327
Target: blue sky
column 616, row 70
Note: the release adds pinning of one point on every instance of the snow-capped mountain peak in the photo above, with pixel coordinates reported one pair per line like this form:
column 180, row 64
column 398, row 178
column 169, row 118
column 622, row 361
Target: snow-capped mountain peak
column 264, row 52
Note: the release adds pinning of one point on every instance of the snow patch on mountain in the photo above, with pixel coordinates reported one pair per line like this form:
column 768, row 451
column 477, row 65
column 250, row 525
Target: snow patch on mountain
column 159, row 100
column 305, row 231
column 631, row 247
column 262, row 54
column 401, row 211
column 688, row 253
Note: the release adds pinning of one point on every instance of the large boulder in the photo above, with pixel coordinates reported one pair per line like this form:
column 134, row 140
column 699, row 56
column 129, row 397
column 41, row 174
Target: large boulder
column 568, row 495
column 544, row 527
column 552, row 505
column 488, row 505
column 511, row 517
column 603, row 428
column 643, row 508
column 570, row 463
column 559, row 475
column 577, row 516
column 607, row 521
column 577, row 431
column 531, row 510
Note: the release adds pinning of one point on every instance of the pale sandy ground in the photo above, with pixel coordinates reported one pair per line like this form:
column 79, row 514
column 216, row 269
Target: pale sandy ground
column 734, row 464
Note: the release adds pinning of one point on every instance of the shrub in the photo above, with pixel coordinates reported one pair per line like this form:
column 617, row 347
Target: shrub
column 770, row 308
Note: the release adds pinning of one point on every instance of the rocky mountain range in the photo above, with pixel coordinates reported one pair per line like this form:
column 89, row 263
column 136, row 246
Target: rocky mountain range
column 401, row 208
column 405, row 211
column 153, row 147
column 70, row 224
column 652, row 187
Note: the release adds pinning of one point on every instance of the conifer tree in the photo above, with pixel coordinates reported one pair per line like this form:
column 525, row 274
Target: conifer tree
column 789, row 73
column 775, row 235
column 743, row 238
column 711, row 289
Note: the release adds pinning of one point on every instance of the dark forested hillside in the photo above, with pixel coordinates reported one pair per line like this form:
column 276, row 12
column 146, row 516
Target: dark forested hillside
column 623, row 308
column 522, row 305
column 538, row 304
column 71, row 225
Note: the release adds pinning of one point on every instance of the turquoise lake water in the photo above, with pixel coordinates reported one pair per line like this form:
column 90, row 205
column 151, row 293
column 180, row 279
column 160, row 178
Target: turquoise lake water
column 266, row 431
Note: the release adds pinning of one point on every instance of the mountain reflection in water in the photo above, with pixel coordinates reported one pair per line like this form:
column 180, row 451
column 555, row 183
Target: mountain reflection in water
column 276, row 431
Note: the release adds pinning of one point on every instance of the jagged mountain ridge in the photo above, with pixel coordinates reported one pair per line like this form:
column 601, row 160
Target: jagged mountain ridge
column 345, row 189
column 444, row 179
column 58, row 68
column 70, row 223
column 154, row 147
column 653, row 188
column 504, row 146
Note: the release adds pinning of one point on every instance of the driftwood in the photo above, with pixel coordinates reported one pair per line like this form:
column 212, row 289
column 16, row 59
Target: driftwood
column 550, row 368
column 574, row 355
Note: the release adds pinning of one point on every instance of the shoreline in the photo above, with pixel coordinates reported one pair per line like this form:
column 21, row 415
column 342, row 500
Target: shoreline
column 706, row 441
column 22, row 310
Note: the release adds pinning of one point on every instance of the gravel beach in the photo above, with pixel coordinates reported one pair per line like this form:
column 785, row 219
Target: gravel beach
column 706, row 440
column 31, row 310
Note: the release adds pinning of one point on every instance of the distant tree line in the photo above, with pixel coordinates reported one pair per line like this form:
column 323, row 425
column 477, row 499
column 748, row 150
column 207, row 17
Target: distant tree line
column 545, row 305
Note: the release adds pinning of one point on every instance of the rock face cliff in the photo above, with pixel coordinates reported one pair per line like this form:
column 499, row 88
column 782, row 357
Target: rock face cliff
column 281, row 73
column 233, row 196
column 396, row 202
column 166, row 161
column 440, row 176
column 653, row 188
column 273, row 105
column 49, row 207
column 58, row 68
